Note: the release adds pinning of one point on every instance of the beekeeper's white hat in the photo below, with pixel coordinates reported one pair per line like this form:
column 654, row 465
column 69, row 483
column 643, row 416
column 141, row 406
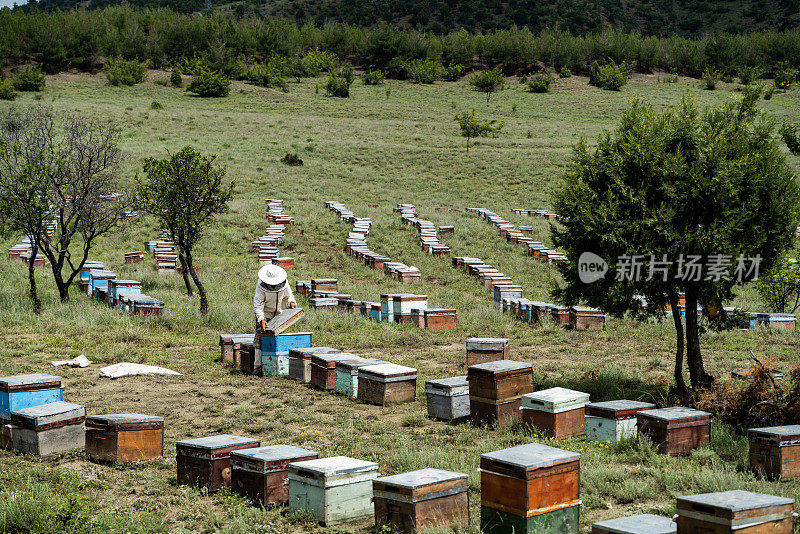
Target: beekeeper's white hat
column 272, row 275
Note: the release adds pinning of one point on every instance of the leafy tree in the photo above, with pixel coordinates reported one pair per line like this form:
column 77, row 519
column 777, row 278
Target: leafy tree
column 210, row 83
column 184, row 193
column 682, row 182
column 175, row 78
column 779, row 287
column 471, row 127
column 488, row 81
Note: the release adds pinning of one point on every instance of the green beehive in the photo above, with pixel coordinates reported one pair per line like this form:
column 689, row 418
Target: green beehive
column 347, row 374
column 562, row 521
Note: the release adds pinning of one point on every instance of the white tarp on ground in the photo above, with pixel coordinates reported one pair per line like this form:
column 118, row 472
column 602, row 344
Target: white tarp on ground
column 80, row 361
column 119, row 370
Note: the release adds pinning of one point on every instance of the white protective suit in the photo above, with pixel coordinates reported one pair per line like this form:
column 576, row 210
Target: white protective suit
column 268, row 304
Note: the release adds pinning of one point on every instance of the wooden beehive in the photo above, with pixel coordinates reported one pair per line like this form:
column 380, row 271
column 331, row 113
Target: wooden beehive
column 325, row 284
column 335, row 490
column 410, row 502
column 323, row 369
column 584, row 318
column 261, row 474
column 496, row 389
column 134, row 257
column 675, row 430
column 485, row 350
column 300, row 361
column 206, row 462
column 347, row 374
column 117, row 288
column 244, row 357
column 24, row 391
column 613, row 420
column 275, row 351
column 559, row 413
column 736, row 511
column 126, row 437
column 775, row 451
column 48, row 429
column 387, row 383
column 440, row 318
column 636, row 524
column 560, row 315
column 285, row 262
column 403, row 304
column 226, row 343
column 530, row 489
column 448, row 398
column 505, row 292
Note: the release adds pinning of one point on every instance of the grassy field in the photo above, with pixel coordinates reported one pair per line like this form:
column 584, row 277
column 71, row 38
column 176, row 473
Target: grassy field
column 384, row 145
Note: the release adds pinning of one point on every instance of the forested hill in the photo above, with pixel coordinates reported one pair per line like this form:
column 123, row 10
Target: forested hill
column 689, row 18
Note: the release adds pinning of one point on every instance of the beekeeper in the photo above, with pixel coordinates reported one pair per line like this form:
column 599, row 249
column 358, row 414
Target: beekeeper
column 273, row 295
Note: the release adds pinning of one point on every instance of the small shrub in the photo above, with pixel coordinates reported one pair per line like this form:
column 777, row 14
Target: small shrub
column 540, row 83
column 423, row 70
column 727, row 78
column 338, row 83
column 7, row 91
column 488, row 81
column 610, row 76
column 748, row 75
column 373, row 77
column 175, row 78
column 317, row 62
column 785, row 77
column 123, row 72
column 156, row 105
column 29, row 79
column 210, row 83
column 523, row 79
column 565, row 72
column 471, row 127
column 269, row 74
column 710, row 78
column 453, row 72
column 769, row 91
column 292, row 159
column 789, row 134
column 162, row 83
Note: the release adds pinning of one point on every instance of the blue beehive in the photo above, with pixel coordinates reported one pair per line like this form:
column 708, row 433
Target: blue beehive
column 98, row 279
column 117, row 288
column 275, row 351
column 25, row 391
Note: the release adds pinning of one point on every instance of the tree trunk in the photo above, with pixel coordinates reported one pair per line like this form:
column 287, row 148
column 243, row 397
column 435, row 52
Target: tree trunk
column 694, row 359
column 37, row 303
column 185, row 274
column 63, row 288
column 198, row 284
column 680, row 383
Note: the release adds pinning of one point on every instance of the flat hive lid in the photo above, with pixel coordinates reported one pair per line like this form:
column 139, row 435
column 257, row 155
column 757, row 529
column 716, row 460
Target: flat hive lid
column 47, row 414
column 674, row 413
column 778, row 431
column 354, row 363
column 500, row 366
column 617, row 409
column 448, row 384
column 388, row 370
column 421, row 477
column 119, row 420
column 235, row 338
column 328, row 358
column 306, row 353
column 639, row 524
column 531, row 456
column 124, row 282
column 736, row 508
column 274, row 453
column 334, row 466
column 220, row 441
column 487, row 343
column 27, row 382
column 555, row 400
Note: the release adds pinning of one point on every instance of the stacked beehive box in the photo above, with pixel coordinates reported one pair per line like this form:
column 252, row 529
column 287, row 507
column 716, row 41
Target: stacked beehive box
column 25, row 391
column 273, row 354
column 485, row 350
column 387, row 383
column 530, row 489
column 261, row 474
column 48, row 428
column 206, row 462
column 428, row 238
column 410, row 502
column 496, row 389
column 134, row 257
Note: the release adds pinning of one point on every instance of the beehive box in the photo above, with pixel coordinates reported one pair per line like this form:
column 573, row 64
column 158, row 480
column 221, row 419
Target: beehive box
column 126, row 437
column 505, row 292
column 448, row 398
column 636, row 524
column 559, row 413
column 226, row 343
column 134, row 257
column 285, row 262
column 387, row 307
column 261, row 474
column 584, row 318
column 496, row 389
column 24, row 391
column 244, row 357
column 323, row 369
column 738, row 511
column 409, row 502
column 117, row 288
column 206, row 462
column 300, row 361
column 387, row 383
column 276, row 362
column 675, row 430
column 439, row 318
column 784, row 321
column 347, row 374
column 98, row 278
column 613, row 420
column 325, row 284
column 775, row 451
column 403, row 304
column 48, row 429
column 485, row 350
column 560, row 315
column 534, row 489
column 335, row 490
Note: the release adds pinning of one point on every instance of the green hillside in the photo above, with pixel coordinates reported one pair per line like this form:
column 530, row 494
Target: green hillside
column 681, row 17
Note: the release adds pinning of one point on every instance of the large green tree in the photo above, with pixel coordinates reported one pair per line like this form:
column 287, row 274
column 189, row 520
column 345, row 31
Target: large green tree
column 185, row 192
column 666, row 192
